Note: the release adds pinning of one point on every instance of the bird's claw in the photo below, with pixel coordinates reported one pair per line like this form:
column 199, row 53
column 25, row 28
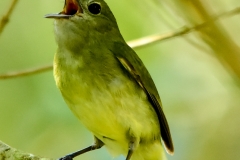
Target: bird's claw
column 67, row 157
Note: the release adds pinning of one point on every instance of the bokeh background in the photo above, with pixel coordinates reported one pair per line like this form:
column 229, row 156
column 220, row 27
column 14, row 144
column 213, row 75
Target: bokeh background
column 197, row 76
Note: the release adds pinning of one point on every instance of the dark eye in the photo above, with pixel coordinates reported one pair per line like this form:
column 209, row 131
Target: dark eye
column 94, row 8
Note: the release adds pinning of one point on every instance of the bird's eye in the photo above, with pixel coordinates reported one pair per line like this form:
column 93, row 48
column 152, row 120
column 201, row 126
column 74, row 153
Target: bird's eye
column 94, row 8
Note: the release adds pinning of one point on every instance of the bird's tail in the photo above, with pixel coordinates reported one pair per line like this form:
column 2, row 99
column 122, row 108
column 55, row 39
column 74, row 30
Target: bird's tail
column 153, row 151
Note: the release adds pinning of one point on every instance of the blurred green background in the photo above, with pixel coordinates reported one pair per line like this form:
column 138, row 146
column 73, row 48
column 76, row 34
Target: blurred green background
column 197, row 76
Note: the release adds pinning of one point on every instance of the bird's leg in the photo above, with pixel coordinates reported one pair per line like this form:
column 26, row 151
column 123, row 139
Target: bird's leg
column 132, row 144
column 97, row 144
column 130, row 150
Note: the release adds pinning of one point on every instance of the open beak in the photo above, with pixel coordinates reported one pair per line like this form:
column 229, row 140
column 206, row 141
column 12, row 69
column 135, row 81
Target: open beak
column 71, row 8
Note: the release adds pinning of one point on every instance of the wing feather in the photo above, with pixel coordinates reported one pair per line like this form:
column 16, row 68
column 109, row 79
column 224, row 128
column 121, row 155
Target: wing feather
column 165, row 132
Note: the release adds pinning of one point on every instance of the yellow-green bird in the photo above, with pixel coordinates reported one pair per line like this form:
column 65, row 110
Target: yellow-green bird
column 106, row 85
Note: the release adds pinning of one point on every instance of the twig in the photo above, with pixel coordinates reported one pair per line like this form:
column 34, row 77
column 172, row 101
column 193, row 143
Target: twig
column 5, row 18
column 26, row 72
column 9, row 153
column 135, row 44
column 142, row 42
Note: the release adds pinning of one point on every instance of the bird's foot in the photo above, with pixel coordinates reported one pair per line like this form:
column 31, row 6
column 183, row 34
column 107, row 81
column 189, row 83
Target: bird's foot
column 67, row 157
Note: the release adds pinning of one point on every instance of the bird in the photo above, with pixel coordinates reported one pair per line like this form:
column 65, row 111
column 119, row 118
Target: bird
column 106, row 85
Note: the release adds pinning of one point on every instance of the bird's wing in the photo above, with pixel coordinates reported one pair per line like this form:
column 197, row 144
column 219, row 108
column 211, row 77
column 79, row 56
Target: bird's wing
column 144, row 80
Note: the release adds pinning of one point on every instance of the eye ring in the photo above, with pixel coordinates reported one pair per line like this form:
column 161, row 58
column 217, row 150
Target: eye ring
column 94, row 8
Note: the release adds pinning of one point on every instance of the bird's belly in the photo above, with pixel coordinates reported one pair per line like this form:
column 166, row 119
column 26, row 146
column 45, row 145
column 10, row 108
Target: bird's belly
column 109, row 113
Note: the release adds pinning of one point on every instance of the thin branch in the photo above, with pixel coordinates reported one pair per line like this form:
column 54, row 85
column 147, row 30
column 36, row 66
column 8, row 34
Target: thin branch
column 9, row 153
column 5, row 18
column 135, row 44
column 142, row 42
column 26, row 72
column 148, row 40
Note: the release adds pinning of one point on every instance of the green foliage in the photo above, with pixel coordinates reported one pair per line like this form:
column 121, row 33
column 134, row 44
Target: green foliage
column 200, row 93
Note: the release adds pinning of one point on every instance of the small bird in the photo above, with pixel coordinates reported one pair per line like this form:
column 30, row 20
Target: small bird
column 106, row 85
